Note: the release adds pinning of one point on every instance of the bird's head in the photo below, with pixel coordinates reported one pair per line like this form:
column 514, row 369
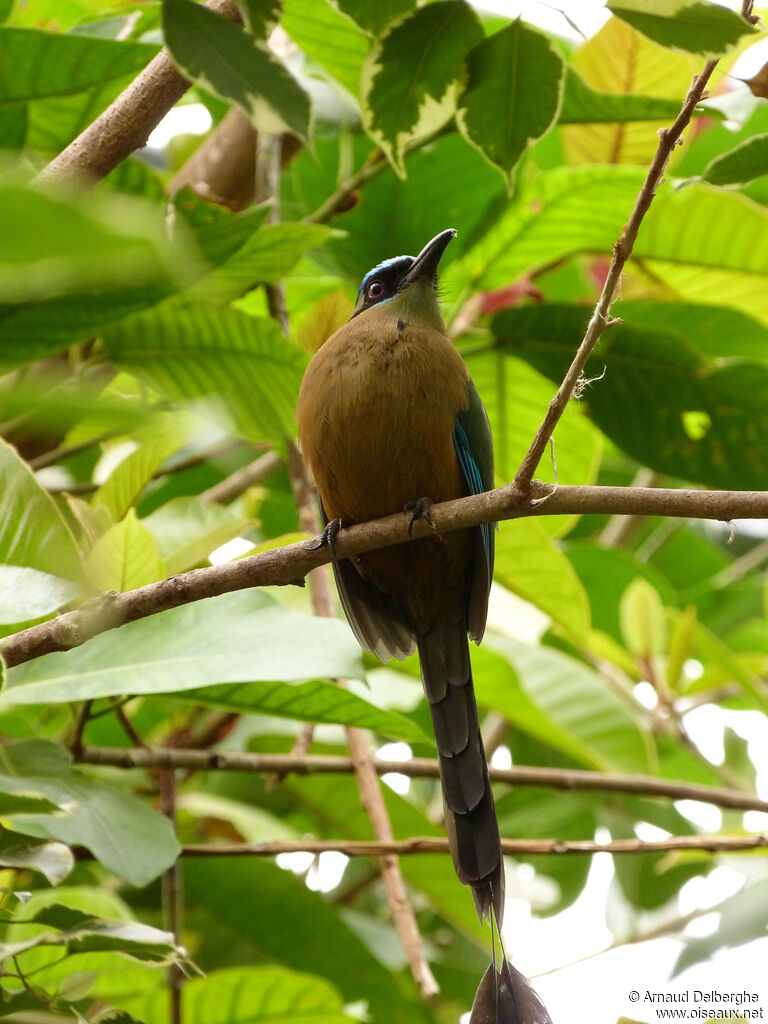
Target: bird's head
column 406, row 285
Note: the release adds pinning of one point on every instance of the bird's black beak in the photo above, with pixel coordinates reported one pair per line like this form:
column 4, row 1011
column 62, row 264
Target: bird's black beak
column 426, row 263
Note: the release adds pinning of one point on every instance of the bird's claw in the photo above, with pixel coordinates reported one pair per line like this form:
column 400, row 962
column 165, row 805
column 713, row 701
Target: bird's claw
column 328, row 537
column 419, row 509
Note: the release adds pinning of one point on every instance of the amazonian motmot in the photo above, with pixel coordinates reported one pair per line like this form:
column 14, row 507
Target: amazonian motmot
column 388, row 414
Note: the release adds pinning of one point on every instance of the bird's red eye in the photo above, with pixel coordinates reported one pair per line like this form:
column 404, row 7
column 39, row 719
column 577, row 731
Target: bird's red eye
column 375, row 290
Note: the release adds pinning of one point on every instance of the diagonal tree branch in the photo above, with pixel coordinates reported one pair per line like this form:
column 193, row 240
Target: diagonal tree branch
column 290, row 564
column 420, row 768
column 128, row 122
column 622, row 250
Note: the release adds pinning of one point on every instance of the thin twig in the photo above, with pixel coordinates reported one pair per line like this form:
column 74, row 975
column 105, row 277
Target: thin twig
column 420, row 768
column 344, row 197
column 66, row 451
column 290, row 564
column 236, row 483
column 267, row 187
column 622, row 250
column 362, row 759
column 128, row 122
column 128, row 726
column 83, row 715
column 171, row 467
column 669, row 927
column 512, row 847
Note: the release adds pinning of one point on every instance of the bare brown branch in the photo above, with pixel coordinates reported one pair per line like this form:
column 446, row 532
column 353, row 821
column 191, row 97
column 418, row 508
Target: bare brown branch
column 128, row 122
column 419, row 767
column 519, row 847
column 290, row 564
column 248, row 476
column 622, row 250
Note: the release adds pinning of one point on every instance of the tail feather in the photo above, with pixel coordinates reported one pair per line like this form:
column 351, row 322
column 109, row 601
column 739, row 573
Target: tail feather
column 507, row 997
column 469, row 810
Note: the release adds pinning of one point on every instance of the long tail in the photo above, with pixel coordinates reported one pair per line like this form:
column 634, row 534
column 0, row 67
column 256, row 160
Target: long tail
column 470, row 815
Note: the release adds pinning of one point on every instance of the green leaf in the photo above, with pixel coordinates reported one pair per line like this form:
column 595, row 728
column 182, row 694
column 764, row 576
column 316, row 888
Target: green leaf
column 125, row 557
column 650, row 880
column 553, row 215
column 375, row 15
column 538, row 814
column 267, row 256
column 219, row 56
column 255, row 640
column 91, row 935
column 685, row 241
column 715, row 331
column 328, row 38
column 77, row 986
column 529, row 563
column 13, row 126
column 115, row 975
column 742, row 163
column 679, row 651
column 516, row 398
column 643, row 622
column 694, row 26
column 621, row 61
column 605, row 574
column 67, row 244
column 261, row 16
column 410, row 78
column 334, row 806
column 446, row 170
column 498, row 688
column 40, row 64
column 314, row 701
column 578, row 703
column 27, row 594
column 712, row 650
column 12, row 1003
column 124, row 834
column 129, row 478
column 186, row 530
column 583, row 104
column 723, row 445
column 32, row 532
column 52, row 860
column 254, row 995
column 201, row 351
column 294, row 928
column 512, row 96
column 33, row 330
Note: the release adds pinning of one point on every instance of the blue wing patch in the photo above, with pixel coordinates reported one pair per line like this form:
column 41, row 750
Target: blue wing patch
column 474, row 482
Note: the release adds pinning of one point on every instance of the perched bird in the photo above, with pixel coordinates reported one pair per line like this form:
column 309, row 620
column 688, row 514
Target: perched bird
column 390, row 421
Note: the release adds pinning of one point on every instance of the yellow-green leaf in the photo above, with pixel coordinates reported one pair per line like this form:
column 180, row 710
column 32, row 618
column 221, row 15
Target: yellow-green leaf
column 125, row 557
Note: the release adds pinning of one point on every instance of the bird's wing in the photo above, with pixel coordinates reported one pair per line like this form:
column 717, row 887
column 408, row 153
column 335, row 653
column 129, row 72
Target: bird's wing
column 474, row 449
column 376, row 623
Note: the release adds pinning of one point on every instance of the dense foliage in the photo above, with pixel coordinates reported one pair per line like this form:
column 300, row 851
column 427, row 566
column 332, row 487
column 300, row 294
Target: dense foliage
column 141, row 367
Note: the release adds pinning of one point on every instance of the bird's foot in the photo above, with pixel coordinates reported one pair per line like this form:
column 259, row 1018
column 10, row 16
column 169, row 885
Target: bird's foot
column 328, row 537
column 419, row 509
